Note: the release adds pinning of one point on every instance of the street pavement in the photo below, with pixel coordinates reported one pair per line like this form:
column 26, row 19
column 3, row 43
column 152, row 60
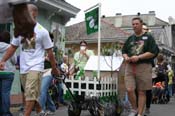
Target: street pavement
column 163, row 109
column 156, row 110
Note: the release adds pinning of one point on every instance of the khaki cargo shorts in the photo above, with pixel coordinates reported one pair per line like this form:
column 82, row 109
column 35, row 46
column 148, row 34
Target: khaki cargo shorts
column 138, row 76
column 31, row 83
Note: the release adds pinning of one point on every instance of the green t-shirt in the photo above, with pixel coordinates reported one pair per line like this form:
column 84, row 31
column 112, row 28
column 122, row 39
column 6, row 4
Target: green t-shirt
column 139, row 45
column 81, row 60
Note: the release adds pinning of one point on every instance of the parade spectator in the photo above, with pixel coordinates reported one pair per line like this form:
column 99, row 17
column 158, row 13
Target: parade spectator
column 170, row 81
column 6, row 76
column 22, row 89
column 158, row 92
column 45, row 100
column 81, row 57
column 148, row 92
column 161, row 69
column 138, row 52
column 64, row 67
column 174, row 84
column 32, row 61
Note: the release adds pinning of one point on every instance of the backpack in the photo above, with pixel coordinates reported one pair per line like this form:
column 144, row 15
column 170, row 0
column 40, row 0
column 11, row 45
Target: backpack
column 161, row 72
column 161, row 68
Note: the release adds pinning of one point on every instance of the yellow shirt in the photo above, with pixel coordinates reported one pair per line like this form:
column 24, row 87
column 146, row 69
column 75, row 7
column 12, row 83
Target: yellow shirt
column 170, row 77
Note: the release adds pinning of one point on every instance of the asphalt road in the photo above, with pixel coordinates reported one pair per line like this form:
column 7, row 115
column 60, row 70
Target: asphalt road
column 156, row 110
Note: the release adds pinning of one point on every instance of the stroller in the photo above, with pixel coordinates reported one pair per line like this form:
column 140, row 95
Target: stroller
column 160, row 93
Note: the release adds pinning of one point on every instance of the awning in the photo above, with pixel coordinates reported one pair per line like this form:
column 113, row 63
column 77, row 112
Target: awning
column 169, row 50
column 59, row 6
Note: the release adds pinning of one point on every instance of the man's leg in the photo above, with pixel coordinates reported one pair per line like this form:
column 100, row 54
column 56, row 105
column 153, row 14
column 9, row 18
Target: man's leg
column 32, row 91
column 170, row 89
column 60, row 90
column 130, row 84
column 148, row 98
column 22, row 107
column 22, row 81
column 148, row 102
column 51, row 106
column 141, row 102
column 46, row 81
column 144, row 82
column 37, row 107
column 28, row 107
column 44, row 89
column 132, row 98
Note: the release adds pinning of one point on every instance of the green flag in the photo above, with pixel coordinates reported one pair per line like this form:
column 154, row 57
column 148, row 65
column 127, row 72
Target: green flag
column 91, row 19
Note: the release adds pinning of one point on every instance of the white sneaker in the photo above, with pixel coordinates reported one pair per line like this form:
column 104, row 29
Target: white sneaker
column 50, row 113
column 133, row 113
column 42, row 113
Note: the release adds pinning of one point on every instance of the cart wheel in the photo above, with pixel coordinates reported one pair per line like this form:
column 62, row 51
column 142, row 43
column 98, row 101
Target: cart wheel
column 74, row 109
column 57, row 105
column 96, row 110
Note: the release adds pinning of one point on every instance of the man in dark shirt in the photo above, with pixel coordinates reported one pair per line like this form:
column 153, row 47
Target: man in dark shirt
column 138, row 52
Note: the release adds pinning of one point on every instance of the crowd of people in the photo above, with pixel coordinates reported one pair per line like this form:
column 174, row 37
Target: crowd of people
column 145, row 81
column 37, row 65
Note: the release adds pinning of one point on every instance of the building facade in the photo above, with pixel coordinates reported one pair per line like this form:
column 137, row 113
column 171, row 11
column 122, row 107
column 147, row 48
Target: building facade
column 161, row 30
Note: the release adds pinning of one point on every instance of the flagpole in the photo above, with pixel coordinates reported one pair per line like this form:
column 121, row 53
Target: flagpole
column 92, row 27
column 99, row 40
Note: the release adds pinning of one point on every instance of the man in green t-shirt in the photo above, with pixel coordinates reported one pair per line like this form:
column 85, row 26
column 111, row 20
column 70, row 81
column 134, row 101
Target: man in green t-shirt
column 138, row 52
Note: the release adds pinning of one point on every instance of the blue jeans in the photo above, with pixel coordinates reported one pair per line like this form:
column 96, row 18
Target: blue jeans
column 5, row 87
column 60, row 90
column 45, row 97
column 170, row 89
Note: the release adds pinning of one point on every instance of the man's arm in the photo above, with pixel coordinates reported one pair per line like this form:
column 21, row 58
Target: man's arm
column 9, row 53
column 146, row 55
column 126, row 58
column 53, row 62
